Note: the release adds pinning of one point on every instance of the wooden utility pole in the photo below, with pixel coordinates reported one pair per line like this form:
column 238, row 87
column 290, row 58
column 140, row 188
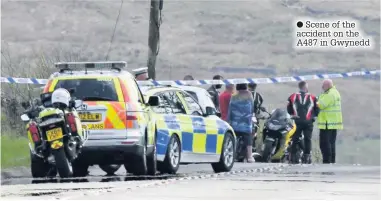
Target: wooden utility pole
column 154, row 36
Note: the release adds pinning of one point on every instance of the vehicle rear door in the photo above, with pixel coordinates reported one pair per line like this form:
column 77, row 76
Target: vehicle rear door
column 104, row 110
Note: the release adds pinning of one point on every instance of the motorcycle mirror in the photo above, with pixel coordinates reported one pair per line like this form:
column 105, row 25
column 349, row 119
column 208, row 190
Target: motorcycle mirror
column 78, row 103
column 24, row 117
column 37, row 102
column 25, row 105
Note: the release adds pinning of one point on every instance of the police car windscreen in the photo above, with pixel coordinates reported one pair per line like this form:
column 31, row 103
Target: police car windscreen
column 90, row 89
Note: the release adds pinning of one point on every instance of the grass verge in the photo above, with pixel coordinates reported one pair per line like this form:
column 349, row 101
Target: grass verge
column 14, row 152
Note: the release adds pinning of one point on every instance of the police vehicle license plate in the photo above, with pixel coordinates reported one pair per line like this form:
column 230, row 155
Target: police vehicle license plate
column 54, row 134
column 90, row 116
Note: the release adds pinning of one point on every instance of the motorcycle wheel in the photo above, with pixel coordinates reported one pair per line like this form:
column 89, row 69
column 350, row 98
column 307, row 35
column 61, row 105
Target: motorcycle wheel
column 62, row 163
column 240, row 156
column 266, row 155
column 39, row 168
column 110, row 169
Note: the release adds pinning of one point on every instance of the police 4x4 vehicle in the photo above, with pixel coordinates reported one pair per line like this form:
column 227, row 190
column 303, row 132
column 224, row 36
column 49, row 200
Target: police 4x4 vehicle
column 114, row 113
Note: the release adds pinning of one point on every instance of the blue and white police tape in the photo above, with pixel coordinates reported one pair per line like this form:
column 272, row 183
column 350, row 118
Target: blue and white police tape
column 223, row 82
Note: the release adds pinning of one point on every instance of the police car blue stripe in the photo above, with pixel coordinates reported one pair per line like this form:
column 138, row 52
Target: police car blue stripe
column 162, row 140
column 211, row 144
column 187, row 141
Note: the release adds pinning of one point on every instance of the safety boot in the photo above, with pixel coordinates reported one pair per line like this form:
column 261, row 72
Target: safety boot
column 306, row 159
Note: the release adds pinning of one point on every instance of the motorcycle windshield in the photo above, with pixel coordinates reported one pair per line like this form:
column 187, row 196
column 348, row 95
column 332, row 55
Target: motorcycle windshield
column 279, row 118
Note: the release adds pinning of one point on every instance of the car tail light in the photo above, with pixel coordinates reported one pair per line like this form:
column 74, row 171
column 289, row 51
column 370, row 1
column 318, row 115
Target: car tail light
column 131, row 117
column 131, row 120
column 71, row 121
column 34, row 131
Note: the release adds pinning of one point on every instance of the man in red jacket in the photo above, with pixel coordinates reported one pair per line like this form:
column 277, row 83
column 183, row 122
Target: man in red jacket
column 303, row 105
column 224, row 100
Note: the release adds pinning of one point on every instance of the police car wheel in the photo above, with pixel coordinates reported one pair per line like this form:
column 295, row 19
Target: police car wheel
column 171, row 163
column 227, row 155
column 139, row 165
column 151, row 161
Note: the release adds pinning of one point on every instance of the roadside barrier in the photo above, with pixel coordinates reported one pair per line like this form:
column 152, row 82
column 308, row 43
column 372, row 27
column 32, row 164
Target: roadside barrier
column 268, row 80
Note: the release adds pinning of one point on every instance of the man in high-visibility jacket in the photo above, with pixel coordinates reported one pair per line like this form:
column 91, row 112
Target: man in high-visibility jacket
column 329, row 120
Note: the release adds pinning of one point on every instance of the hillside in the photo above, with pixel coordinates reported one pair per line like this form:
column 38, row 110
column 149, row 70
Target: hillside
column 195, row 37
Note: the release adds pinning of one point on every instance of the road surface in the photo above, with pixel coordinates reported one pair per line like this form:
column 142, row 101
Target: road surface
column 245, row 181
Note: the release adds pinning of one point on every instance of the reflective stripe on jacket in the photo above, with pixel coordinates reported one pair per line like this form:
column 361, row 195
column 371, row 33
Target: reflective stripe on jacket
column 330, row 116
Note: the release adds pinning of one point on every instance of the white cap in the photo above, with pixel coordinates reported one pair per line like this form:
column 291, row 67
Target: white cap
column 139, row 71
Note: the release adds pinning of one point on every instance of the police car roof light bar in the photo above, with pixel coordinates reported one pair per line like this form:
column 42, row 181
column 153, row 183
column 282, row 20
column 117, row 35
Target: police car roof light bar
column 70, row 66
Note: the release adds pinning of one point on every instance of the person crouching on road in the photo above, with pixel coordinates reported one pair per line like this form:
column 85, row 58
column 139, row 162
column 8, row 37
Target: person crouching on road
column 224, row 100
column 330, row 120
column 240, row 113
column 303, row 105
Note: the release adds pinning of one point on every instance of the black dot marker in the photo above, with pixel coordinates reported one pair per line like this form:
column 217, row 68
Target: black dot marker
column 299, row 24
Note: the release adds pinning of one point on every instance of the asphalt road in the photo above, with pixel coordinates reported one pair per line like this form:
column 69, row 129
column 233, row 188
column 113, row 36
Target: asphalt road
column 245, row 181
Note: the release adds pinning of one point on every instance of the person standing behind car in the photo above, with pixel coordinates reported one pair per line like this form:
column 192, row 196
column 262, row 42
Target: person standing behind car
column 224, row 100
column 240, row 113
column 303, row 105
column 258, row 100
column 214, row 92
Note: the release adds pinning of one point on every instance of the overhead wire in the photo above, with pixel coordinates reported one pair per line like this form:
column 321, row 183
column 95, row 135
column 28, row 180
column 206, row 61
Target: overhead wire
column 113, row 33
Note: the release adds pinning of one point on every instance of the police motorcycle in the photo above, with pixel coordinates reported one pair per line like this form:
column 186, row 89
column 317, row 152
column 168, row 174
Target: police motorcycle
column 277, row 133
column 56, row 135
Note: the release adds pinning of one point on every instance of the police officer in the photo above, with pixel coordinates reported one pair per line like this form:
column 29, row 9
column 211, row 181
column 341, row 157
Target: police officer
column 303, row 105
column 141, row 74
column 214, row 92
column 329, row 120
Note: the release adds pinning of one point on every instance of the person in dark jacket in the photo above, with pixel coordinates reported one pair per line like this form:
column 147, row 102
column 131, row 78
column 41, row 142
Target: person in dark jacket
column 214, row 92
column 303, row 105
column 258, row 100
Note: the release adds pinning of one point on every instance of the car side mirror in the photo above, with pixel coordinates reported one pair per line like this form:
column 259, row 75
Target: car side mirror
column 153, row 101
column 24, row 117
column 78, row 103
column 210, row 111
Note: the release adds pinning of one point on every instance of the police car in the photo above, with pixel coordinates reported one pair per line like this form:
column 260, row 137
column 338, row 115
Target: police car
column 188, row 133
